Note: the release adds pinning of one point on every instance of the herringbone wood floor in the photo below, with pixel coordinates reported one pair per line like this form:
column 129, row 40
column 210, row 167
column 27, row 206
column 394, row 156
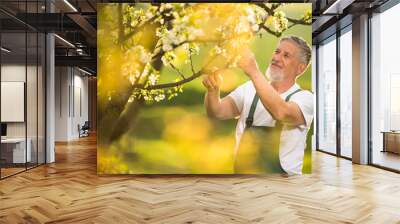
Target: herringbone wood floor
column 69, row 191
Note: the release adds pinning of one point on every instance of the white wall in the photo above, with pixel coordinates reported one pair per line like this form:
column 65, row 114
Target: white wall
column 16, row 73
column 71, row 94
column 61, row 103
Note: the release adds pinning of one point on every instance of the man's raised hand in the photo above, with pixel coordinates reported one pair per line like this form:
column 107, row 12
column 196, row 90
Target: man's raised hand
column 248, row 62
column 212, row 82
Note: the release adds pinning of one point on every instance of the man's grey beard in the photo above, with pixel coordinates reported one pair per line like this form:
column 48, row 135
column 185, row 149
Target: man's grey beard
column 274, row 76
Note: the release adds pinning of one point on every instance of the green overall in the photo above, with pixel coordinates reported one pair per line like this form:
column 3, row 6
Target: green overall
column 258, row 150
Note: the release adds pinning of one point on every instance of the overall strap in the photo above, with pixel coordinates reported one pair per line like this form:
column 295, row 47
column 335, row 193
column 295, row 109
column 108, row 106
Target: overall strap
column 279, row 123
column 290, row 95
column 250, row 116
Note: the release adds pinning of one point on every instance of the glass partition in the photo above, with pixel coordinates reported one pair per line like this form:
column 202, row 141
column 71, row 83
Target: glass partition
column 327, row 95
column 14, row 151
column 22, row 88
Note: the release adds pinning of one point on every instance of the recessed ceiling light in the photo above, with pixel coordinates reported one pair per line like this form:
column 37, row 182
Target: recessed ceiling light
column 337, row 7
column 5, row 50
column 70, row 5
column 84, row 71
column 65, row 41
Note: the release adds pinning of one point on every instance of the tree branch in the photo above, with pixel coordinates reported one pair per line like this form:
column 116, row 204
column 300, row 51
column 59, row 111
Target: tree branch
column 271, row 11
column 168, row 85
column 297, row 21
column 191, row 63
column 270, row 31
column 177, row 70
column 266, row 8
column 173, row 84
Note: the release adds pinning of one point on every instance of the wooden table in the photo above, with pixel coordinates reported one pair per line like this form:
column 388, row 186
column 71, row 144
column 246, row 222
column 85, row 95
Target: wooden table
column 391, row 141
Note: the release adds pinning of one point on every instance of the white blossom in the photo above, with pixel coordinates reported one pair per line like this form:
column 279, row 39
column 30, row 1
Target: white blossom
column 149, row 15
column 164, row 61
column 185, row 19
column 167, row 47
column 168, row 6
column 197, row 22
column 132, row 78
column 280, row 22
column 131, row 98
column 241, row 27
column 255, row 27
column 159, row 97
column 185, row 46
column 153, row 78
column 144, row 57
column 218, row 50
column 137, row 74
column 251, row 16
column 146, row 70
column 194, row 33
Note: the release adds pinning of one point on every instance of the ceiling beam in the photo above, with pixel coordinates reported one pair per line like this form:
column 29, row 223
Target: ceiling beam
column 86, row 27
column 82, row 61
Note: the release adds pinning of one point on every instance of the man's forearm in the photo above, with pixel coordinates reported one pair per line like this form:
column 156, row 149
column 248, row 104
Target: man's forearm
column 269, row 97
column 212, row 102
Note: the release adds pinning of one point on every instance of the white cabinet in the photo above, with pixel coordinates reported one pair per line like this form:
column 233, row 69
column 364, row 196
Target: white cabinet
column 18, row 149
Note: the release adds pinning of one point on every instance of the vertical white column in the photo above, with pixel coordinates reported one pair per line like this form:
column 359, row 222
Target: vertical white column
column 50, row 93
column 360, row 90
column 314, row 89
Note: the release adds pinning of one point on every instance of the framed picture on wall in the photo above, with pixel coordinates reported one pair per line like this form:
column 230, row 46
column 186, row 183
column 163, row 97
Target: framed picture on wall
column 185, row 88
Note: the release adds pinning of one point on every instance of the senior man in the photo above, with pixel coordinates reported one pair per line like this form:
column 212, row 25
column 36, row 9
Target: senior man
column 274, row 113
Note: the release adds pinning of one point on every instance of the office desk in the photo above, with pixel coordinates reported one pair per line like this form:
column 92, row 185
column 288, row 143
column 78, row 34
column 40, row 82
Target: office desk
column 391, row 141
column 15, row 148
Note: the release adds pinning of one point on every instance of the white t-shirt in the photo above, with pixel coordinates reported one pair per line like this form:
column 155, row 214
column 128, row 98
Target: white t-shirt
column 293, row 138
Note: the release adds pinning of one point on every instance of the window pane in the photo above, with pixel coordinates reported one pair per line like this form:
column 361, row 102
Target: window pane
column 346, row 94
column 327, row 96
column 385, row 114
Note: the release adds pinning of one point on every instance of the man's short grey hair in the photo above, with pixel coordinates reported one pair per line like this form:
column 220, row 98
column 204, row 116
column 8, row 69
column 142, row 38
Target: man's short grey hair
column 305, row 50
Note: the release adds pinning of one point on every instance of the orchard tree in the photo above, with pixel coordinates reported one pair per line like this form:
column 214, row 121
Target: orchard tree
column 136, row 40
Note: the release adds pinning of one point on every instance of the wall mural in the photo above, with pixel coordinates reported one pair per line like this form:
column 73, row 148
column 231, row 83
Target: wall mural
column 205, row 88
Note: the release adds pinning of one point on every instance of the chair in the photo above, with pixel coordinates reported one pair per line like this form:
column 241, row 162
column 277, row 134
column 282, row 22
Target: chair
column 84, row 130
